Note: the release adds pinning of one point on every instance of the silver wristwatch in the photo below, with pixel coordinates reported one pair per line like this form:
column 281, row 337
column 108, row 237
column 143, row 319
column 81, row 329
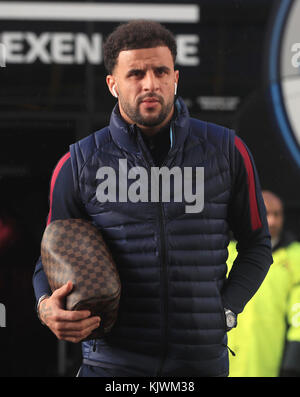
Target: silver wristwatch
column 230, row 319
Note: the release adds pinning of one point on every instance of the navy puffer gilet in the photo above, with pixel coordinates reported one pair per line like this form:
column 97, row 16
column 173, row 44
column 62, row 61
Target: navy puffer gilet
column 172, row 264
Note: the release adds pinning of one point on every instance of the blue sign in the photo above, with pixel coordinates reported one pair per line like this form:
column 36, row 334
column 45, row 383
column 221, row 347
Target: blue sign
column 284, row 73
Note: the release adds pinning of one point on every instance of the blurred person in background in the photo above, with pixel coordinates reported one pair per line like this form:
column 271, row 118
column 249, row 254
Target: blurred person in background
column 267, row 339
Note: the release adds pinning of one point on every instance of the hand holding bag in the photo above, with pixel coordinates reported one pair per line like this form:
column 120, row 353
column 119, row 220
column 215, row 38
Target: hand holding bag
column 73, row 249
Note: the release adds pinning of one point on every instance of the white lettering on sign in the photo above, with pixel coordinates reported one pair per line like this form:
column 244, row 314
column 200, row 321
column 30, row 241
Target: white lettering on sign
column 187, row 49
column 77, row 48
column 2, row 55
column 65, row 48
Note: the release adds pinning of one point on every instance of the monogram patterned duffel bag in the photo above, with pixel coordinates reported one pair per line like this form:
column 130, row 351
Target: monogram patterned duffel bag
column 73, row 249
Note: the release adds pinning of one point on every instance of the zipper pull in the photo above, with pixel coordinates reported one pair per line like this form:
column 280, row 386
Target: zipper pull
column 231, row 351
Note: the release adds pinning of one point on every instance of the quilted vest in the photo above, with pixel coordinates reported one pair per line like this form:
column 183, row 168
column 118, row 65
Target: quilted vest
column 171, row 259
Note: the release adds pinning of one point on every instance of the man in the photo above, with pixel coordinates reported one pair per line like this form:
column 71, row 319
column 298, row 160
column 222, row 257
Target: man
column 267, row 339
column 171, row 254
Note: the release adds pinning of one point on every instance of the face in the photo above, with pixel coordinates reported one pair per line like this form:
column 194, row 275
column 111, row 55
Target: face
column 144, row 80
column 274, row 214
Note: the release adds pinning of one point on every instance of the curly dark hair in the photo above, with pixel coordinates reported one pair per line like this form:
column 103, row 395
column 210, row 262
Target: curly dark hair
column 135, row 35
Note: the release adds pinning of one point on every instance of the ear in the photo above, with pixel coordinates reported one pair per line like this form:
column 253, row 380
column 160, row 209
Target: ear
column 111, row 83
column 176, row 76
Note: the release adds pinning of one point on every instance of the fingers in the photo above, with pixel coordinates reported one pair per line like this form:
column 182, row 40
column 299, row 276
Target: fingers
column 74, row 331
column 69, row 325
column 50, row 311
column 63, row 291
column 73, row 326
column 71, row 315
column 75, row 336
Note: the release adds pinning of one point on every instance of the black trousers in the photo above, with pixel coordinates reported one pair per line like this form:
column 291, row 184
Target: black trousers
column 87, row 370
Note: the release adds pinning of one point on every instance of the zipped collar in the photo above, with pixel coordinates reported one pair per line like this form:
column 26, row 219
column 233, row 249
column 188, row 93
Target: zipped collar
column 125, row 135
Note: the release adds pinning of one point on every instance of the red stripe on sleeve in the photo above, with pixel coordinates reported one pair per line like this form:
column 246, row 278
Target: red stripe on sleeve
column 255, row 218
column 53, row 180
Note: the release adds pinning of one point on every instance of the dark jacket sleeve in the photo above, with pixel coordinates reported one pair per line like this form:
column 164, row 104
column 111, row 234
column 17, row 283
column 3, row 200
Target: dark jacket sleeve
column 64, row 204
column 248, row 223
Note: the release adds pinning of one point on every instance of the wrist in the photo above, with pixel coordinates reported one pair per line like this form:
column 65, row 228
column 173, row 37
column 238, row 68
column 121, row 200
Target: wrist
column 41, row 299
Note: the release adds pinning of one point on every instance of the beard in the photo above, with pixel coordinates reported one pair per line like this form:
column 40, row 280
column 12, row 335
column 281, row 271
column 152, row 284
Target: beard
column 152, row 118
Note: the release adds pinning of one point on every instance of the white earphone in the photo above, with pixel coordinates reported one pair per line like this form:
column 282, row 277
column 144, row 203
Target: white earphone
column 114, row 91
column 175, row 92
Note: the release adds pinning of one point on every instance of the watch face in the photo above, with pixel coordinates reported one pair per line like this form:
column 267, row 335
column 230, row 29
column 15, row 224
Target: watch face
column 230, row 320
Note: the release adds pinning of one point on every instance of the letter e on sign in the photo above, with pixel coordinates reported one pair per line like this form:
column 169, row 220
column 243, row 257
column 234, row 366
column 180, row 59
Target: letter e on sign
column 2, row 55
